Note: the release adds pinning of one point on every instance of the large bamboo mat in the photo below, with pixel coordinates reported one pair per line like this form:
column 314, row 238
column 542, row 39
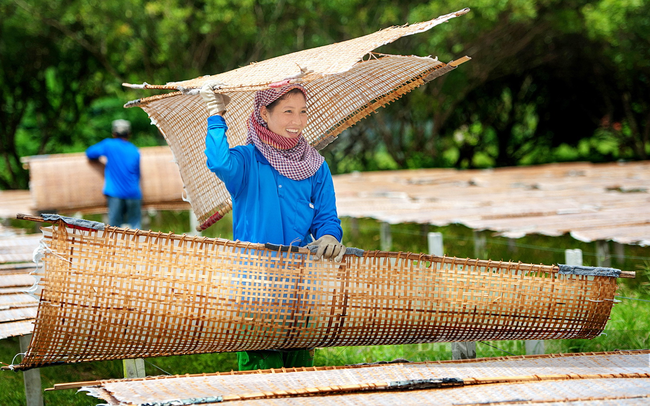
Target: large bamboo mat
column 346, row 82
column 17, row 307
column 14, row 201
column 118, row 293
column 71, row 182
column 589, row 201
column 18, row 248
column 612, row 378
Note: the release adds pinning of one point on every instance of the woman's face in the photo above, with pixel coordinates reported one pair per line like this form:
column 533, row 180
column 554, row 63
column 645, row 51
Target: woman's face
column 288, row 117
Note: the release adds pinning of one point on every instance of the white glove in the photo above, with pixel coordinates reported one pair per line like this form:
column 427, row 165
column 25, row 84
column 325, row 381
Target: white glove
column 328, row 248
column 215, row 102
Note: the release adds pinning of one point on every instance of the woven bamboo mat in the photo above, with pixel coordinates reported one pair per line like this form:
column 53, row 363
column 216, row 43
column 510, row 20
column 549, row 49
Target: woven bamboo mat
column 18, row 248
column 12, row 202
column 346, row 82
column 17, row 307
column 606, row 201
column 557, row 378
column 119, row 293
column 69, row 182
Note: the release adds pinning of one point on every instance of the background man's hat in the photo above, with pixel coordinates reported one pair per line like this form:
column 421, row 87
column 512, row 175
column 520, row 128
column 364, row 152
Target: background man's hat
column 121, row 127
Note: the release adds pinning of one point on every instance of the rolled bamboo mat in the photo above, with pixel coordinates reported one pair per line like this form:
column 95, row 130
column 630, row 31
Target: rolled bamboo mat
column 68, row 182
column 112, row 293
column 555, row 378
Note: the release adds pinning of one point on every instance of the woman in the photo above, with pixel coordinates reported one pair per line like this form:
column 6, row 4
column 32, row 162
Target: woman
column 281, row 187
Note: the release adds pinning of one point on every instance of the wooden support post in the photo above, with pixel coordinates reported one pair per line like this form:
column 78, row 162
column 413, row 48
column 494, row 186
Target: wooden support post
column 194, row 223
column 512, row 247
column 462, row 349
column 424, row 229
column 145, row 219
column 134, row 368
column 573, row 257
column 602, row 254
column 480, row 244
column 354, row 227
column 619, row 253
column 386, row 237
column 31, row 378
column 435, row 244
column 534, row 347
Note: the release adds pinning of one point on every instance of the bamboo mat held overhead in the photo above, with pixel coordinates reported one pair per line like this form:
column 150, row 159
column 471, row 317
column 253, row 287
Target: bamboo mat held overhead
column 111, row 293
column 346, row 82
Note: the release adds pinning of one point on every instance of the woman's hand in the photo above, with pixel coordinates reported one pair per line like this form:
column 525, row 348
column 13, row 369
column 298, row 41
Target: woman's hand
column 328, row 248
column 215, row 102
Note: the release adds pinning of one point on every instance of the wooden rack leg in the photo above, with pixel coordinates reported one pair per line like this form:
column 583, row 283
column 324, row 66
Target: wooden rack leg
column 194, row 224
column 463, row 350
column 386, row 237
column 31, row 378
column 134, row 368
column 603, row 258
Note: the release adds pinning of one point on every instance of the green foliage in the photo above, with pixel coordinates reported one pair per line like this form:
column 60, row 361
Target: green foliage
column 545, row 74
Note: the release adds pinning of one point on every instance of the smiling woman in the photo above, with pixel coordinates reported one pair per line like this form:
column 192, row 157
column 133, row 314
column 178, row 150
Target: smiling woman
column 287, row 116
column 280, row 186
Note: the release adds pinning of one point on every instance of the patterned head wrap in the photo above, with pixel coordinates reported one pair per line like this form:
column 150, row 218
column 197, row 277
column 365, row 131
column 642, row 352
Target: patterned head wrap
column 292, row 157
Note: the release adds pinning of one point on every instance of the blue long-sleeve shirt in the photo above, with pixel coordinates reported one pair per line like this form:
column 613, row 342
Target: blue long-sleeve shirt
column 122, row 172
column 267, row 206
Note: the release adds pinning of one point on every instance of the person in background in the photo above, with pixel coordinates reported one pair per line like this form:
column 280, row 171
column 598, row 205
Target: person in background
column 281, row 188
column 121, row 175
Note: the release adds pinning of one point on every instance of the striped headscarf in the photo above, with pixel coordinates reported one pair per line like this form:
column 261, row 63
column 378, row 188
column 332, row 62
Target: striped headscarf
column 292, row 157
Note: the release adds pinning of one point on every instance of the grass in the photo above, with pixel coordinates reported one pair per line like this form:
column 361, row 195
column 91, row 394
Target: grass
column 628, row 328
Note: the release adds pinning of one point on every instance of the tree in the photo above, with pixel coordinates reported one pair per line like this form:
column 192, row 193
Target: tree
column 622, row 28
column 543, row 73
column 45, row 86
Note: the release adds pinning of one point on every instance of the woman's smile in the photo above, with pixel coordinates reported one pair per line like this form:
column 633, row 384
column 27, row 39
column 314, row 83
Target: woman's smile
column 289, row 117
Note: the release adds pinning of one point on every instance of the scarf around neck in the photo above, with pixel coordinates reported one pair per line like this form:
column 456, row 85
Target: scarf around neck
column 292, row 157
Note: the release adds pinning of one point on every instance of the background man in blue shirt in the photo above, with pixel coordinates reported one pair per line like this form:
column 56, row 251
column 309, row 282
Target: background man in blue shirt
column 121, row 175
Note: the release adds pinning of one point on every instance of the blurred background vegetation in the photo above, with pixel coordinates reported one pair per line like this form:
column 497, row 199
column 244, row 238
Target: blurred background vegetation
column 549, row 80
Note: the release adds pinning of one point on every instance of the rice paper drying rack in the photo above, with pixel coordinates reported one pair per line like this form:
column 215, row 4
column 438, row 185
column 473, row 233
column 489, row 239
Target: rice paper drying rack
column 112, row 293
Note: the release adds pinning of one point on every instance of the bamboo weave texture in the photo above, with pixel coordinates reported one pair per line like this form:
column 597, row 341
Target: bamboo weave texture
column 51, row 187
column 345, row 81
column 120, row 293
column 547, row 378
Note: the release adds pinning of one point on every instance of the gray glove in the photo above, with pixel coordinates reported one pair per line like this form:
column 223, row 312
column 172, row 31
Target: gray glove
column 215, row 102
column 328, row 248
